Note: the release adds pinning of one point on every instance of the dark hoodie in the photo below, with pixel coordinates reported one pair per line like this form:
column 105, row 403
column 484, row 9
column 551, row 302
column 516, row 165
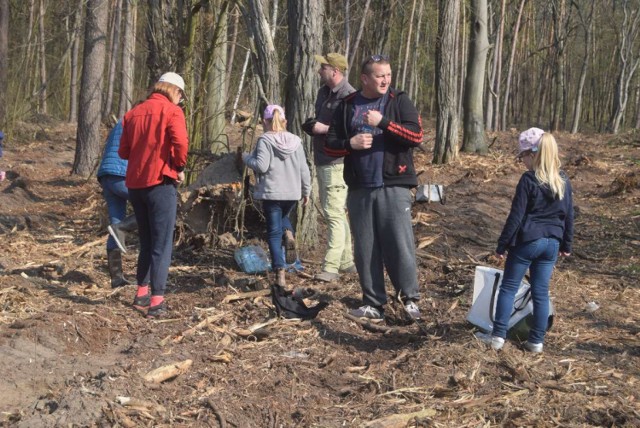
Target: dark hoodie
column 535, row 213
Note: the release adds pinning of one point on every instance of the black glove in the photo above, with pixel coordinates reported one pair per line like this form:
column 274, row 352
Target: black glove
column 308, row 125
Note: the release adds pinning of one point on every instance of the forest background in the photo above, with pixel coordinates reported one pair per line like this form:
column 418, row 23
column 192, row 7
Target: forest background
column 470, row 66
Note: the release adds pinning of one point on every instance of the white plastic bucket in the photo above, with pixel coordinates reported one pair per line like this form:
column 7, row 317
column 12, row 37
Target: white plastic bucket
column 482, row 310
column 430, row 193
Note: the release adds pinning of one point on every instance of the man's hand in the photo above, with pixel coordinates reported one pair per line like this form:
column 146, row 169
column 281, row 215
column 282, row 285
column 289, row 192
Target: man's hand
column 361, row 141
column 305, row 201
column 373, row 117
column 320, row 128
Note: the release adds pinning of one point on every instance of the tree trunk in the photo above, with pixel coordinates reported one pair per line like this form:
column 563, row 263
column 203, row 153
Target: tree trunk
column 128, row 56
column 217, row 87
column 474, row 139
column 498, row 77
column 234, row 43
column 43, row 60
column 305, row 40
column 629, row 59
column 4, row 59
column 587, row 26
column 243, row 74
column 113, row 59
column 353, row 52
column 88, row 137
column 403, row 85
column 413, row 85
column 446, row 146
column 461, row 68
column 265, row 58
column 163, row 38
column 512, row 55
column 558, row 70
column 75, row 51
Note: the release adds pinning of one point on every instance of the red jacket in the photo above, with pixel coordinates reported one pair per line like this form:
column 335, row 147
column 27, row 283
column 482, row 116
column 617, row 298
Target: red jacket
column 154, row 140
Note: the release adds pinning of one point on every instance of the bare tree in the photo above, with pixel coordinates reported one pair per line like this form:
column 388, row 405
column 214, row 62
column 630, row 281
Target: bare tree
column 446, row 146
column 75, row 52
column 43, row 60
column 4, row 59
column 88, row 136
column 512, row 55
column 587, row 26
column 128, row 56
column 629, row 59
column 493, row 98
column 474, row 139
column 114, row 46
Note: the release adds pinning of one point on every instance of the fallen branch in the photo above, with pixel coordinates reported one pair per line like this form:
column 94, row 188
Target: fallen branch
column 221, row 420
column 85, row 246
column 370, row 326
column 170, row 371
column 248, row 295
column 138, row 404
column 399, row 420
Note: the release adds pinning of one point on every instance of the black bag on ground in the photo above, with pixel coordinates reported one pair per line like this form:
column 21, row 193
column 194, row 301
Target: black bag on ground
column 287, row 306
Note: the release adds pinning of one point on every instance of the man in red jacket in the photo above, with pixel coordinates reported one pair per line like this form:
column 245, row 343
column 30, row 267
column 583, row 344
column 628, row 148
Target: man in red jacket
column 155, row 142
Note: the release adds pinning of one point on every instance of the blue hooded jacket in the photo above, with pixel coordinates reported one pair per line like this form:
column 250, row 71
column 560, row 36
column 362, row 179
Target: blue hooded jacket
column 112, row 163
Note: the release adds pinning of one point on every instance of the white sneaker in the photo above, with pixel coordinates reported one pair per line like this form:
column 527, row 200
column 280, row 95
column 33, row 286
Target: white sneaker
column 413, row 310
column 367, row 312
column 536, row 348
column 496, row 343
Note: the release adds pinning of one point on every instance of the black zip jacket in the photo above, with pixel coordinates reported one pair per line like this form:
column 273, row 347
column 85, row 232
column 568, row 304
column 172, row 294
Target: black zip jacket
column 402, row 130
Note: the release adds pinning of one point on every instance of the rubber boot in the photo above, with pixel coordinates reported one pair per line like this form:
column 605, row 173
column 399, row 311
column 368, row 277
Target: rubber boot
column 280, row 278
column 119, row 231
column 114, row 259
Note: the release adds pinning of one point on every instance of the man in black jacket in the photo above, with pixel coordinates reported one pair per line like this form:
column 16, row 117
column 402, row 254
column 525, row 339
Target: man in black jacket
column 376, row 129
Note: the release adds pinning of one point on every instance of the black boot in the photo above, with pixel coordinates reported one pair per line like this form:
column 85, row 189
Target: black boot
column 119, row 230
column 114, row 259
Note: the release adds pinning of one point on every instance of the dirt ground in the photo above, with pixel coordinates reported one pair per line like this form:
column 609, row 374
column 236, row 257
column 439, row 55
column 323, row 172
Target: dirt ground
column 71, row 348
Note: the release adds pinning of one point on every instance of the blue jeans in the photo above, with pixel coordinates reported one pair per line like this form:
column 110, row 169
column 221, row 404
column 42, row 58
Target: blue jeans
column 155, row 209
column 116, row 195
column 539, row 257
column 277, row 216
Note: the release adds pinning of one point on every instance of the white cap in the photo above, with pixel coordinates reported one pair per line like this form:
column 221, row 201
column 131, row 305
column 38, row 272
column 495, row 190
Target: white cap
column 174, row 79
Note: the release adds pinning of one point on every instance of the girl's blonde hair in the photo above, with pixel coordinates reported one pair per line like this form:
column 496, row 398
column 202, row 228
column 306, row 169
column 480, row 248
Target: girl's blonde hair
column 278, row 122
column 546, row 165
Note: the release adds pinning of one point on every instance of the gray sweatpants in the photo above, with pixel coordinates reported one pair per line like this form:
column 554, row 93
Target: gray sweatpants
column 383, row 237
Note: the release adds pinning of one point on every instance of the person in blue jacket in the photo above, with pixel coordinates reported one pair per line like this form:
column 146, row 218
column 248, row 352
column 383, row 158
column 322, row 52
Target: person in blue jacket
column 111, row 175
column 539, row 227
